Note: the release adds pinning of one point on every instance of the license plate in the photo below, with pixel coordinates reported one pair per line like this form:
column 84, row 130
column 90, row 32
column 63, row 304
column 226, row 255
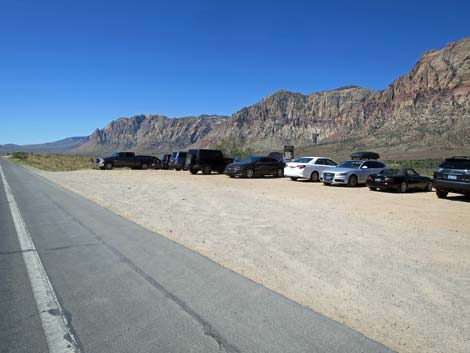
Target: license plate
column 378, row 180
column 452, row 177
column 328, row 177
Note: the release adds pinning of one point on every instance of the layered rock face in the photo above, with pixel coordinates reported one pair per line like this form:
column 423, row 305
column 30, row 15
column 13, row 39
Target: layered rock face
column 150, row 134
column 429, row 106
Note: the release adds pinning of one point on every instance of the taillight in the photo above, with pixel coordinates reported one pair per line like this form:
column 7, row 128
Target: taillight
column 301, row 166
column 388, row 180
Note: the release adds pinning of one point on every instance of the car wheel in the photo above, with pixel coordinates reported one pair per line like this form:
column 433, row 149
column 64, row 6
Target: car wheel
column 314, row 177
column 250, row 173
column 280, row 173
column 193, row 171
column 441, row 194
column 108, row 166
column 403, row 187
column 372, row 188
column 428, row 187
column 144, row 166
column 293, row 178
column 352, row 181
column 206, row 170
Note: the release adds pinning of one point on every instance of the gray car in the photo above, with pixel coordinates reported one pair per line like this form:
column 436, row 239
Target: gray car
column 351, row 173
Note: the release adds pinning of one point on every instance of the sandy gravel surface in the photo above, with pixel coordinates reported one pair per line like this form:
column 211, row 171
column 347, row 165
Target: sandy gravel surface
column 394, row 267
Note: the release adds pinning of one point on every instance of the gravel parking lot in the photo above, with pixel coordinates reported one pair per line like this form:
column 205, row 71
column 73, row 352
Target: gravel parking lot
column 392, row 266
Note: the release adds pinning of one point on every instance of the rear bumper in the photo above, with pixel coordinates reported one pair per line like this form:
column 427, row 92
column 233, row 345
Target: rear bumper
column 294, row 172
column 452, row 186
column 382, row 186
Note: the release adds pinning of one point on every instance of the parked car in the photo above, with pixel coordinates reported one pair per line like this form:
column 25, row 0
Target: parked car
column 401, row 179
column 308, row 168
column 127, row 160
column 352, row 172
column 206, row 161
column 165, row 160
column 256, row 166
column 453, row 175
column 177, row 160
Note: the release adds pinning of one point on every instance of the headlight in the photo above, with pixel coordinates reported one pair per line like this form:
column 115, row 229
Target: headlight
column 342, row 174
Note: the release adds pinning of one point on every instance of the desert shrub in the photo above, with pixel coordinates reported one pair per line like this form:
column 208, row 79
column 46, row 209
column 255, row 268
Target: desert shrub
column 20, row 156
column 233, row 148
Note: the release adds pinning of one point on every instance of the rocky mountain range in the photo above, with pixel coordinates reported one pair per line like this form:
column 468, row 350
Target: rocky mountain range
column 61, row 146
column 427, row 108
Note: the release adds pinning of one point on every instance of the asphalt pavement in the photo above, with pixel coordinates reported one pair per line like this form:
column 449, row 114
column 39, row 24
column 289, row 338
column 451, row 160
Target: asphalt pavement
column 123, row 288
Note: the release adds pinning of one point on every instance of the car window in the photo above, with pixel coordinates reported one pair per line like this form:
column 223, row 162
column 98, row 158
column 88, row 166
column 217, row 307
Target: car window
column 302, row 160
column 320, row 161
column 411, row 172
column 367, row 165
column 456, row 164
column 350, row 164
column 330, row 162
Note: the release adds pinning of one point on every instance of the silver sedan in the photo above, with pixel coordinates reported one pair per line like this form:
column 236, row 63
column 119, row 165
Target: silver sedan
column 351, row 173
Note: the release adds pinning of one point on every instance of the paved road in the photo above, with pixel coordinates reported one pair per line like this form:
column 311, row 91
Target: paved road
column 125, row 289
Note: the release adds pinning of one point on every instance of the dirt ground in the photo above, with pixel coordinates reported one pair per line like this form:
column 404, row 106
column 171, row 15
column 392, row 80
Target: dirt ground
column 395, row 267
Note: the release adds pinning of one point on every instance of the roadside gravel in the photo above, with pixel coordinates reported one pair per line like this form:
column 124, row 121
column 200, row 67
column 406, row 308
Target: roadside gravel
column 392, row 266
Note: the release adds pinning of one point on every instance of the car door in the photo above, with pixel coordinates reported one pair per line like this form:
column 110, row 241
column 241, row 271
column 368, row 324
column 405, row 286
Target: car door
column 413, row 179
column 367, row 168
column 120, row 160
column 265, row 166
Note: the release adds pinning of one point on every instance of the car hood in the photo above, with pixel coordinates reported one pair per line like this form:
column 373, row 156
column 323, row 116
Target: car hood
column 339, row 170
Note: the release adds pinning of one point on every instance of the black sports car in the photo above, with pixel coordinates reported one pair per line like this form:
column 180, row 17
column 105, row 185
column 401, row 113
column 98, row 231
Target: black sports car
column 401, row 179
column 256, row 166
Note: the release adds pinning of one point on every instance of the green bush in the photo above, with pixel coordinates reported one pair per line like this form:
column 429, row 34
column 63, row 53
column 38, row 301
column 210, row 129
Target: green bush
column 233, row 148
column 20, row 156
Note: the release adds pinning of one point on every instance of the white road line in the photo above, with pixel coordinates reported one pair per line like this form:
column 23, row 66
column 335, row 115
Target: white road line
column 60, row 338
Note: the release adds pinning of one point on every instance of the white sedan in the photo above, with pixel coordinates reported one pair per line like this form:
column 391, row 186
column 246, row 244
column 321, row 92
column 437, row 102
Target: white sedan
column 308, row 168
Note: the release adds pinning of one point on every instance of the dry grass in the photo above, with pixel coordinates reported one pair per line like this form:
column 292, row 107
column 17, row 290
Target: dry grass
column 53, row 162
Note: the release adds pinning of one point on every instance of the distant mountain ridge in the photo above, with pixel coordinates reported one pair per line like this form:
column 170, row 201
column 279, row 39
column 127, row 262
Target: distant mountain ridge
column 426, row 108
column 60, row 146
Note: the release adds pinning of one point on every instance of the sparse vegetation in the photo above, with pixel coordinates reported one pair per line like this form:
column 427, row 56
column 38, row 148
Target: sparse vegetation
column 423, row 166
column 52, row 162
column 233, row 148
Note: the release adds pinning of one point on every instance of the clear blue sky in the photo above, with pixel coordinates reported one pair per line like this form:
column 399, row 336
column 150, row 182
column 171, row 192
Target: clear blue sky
column 67, row 67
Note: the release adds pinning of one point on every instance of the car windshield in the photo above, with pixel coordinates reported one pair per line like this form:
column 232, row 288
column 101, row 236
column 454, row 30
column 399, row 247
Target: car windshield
column 250, row 159
column 302, row 160
column 115, row 154
column 350, row 164
column 456, row 164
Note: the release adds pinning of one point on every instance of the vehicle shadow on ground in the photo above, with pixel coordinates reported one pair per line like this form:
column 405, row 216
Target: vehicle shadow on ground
column 460, row 198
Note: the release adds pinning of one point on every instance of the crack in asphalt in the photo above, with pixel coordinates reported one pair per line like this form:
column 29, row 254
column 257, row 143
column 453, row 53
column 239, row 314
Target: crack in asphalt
column 207, row 329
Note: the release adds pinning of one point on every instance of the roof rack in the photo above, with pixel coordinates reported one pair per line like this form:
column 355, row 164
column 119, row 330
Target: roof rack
column 364, row 155
column 460, row 157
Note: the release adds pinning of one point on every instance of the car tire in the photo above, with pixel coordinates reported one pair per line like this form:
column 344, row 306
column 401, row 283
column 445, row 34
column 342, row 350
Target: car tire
column 206, row 170
column 144, row 166
column 108, row 166
column 372, row 188
column 441, row 194
column 352, row 181
column 193, row 171
column 314, row 177
column 293, row 178
column 428, row 187
column 403, row 187
column 250, row 173
column 280, row 173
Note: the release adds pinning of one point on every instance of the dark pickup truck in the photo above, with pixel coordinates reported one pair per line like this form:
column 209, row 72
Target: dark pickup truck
column 127, row 160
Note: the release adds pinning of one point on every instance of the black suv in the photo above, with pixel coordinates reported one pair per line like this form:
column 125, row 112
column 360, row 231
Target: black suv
column 453, row 175
column 206, row 161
